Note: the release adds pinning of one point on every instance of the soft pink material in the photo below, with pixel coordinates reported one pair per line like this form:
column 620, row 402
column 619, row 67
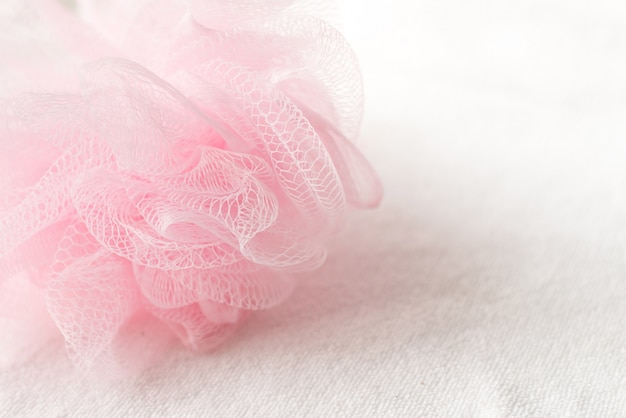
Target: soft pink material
column 172, row 157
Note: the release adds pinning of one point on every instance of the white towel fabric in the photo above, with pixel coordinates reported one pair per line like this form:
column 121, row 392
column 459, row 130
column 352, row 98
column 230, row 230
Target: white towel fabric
column 491, row 282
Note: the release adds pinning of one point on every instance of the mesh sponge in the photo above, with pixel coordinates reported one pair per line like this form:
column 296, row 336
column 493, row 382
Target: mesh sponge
column 200, row 159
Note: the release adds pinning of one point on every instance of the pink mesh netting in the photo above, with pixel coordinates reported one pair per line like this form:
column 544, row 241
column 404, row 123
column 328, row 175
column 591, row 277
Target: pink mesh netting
column 176, row 158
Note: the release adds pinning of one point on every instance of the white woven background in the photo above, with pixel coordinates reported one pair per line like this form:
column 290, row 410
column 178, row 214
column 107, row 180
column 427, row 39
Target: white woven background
column 491, row 282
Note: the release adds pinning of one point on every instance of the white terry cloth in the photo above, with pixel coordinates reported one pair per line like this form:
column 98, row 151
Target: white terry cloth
column 491, row 282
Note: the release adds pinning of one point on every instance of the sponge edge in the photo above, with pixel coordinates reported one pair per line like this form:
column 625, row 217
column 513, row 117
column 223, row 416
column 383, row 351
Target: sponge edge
column 186, row 178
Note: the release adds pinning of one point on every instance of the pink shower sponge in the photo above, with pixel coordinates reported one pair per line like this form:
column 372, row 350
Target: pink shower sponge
column 172, row 157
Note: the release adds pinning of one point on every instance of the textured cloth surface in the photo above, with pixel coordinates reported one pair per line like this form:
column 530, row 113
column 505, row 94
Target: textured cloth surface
column 492, row 281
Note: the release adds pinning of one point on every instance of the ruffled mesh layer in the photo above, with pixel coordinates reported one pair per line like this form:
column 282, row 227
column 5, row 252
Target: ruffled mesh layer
column 172, row 157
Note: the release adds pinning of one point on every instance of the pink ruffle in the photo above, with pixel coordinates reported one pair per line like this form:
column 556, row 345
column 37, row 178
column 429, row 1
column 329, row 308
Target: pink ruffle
column 172, row 157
